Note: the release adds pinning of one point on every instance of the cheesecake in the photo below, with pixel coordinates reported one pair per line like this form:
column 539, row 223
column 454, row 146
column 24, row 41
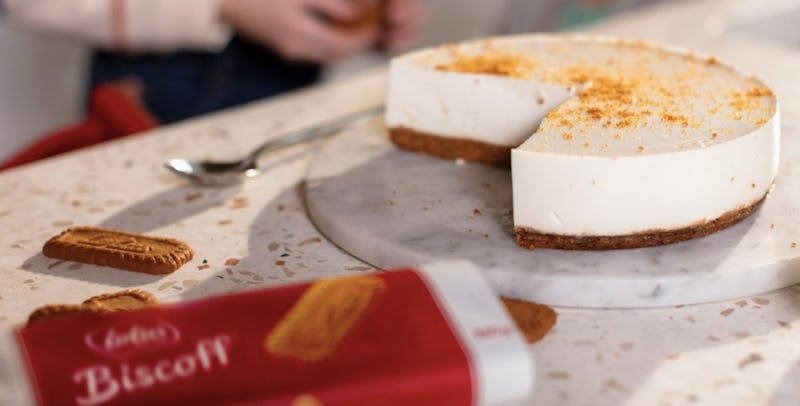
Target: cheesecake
column 612, row 143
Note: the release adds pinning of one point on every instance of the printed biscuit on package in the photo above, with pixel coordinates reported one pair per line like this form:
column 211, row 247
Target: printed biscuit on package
column 433, row 335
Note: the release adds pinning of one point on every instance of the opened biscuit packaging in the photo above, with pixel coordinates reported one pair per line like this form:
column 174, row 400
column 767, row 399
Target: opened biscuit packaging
column 436, row 335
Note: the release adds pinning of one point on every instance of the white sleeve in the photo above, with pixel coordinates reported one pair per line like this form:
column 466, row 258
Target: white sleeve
column 137, row 25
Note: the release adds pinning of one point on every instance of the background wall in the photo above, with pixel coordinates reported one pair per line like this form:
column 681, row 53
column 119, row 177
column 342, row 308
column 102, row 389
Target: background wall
column 40, row 85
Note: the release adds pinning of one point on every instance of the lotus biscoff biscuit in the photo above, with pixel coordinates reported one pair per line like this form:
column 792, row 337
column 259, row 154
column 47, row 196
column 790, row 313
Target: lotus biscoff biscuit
column 533, row 319
column 130, row 299
column 118, row 249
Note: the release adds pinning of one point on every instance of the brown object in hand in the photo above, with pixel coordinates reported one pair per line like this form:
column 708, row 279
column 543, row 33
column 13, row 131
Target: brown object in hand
column 130, row 299
column 371, row 17
column 533, row 319
column 322, row 317
column 118, row 249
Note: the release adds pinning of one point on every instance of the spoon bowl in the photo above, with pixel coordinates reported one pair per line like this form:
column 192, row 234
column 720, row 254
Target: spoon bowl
column 220, row 173
column 211, row 173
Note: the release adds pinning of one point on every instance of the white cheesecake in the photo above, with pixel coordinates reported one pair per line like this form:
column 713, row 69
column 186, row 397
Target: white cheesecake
column 613, row 143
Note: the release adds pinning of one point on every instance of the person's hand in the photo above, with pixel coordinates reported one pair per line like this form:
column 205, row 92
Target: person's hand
column 403, row 20
column 301, row 30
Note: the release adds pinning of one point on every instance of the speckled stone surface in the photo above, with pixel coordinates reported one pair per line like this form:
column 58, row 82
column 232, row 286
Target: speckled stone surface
column 394, row 208
column 247, row 236
column 730, row 352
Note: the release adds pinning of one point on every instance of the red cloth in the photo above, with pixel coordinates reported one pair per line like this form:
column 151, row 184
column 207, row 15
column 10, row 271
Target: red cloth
column 112, row 114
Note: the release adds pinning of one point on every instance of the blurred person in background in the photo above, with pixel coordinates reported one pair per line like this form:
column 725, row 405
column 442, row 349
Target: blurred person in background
column 184, row 58
column 181, row 58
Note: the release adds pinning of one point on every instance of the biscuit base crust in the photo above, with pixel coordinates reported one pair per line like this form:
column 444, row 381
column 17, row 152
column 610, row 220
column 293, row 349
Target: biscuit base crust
column 451, row 148
column 532, row 239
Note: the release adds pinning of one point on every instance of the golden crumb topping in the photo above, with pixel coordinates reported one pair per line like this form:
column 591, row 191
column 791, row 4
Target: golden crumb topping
column 629, row 94
column 743, row 102
column 645, row 96
column 491, row 63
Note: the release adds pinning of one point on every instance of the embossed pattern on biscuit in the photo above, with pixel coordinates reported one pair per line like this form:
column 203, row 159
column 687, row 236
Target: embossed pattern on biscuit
column 121, row 301
column 118, row 249
column 322, row 317
column 125, row 300
column 60, row 310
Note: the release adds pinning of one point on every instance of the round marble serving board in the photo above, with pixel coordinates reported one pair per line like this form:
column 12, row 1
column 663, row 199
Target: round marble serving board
column 393, row 208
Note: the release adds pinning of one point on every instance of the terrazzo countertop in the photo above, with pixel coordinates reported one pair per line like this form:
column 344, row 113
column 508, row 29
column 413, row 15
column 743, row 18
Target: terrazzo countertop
column 744, row 351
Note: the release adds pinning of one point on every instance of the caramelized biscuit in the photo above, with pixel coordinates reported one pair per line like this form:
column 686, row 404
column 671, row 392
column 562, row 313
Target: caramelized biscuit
column 325, row 313
column 118, row 249
column 533, row 319
column 130, row 299
column 60, row 310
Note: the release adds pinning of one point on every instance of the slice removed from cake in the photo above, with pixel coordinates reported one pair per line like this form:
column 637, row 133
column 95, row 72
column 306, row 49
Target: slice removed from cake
column 633, row 144
column 470, row 102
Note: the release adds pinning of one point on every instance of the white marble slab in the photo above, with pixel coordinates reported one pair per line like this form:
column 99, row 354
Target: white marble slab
column 393, row 208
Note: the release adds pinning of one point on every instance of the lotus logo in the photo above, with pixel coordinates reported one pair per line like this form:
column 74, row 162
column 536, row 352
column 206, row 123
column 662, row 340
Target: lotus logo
column 121, row 341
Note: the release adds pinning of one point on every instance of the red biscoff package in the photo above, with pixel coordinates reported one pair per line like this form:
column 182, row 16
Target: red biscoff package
column 437, row 335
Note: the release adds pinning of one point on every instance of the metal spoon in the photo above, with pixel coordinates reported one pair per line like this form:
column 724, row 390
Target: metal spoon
column 228, row 172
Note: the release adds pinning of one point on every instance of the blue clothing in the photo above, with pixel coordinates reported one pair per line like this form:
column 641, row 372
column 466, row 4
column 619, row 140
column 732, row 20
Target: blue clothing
column 184, row 84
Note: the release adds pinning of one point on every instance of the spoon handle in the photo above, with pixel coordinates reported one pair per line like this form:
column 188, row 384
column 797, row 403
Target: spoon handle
column 314, row 132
